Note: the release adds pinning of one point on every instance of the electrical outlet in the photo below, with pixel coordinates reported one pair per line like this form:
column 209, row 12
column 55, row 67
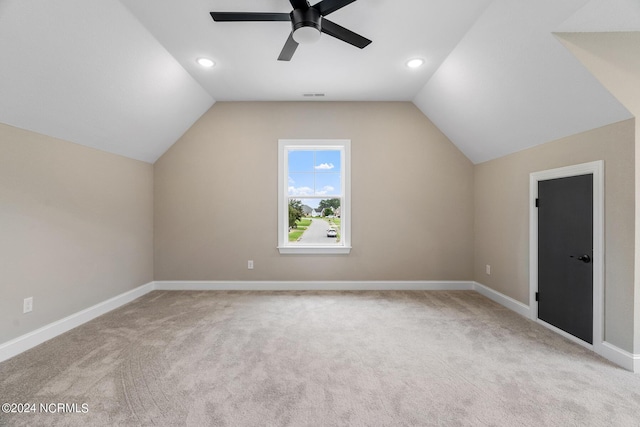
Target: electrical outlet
column 488, row 269
column 27, row 305
column 250, row 264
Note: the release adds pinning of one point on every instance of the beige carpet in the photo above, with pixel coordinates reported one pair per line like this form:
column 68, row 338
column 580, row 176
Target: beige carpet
column 316, row 359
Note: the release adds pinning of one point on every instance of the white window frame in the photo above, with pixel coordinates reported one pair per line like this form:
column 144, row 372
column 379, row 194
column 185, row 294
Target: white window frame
column 284, row 145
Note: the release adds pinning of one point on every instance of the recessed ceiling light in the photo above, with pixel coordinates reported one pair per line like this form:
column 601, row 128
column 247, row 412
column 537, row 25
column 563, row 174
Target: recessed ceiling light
column 205, row 62
column 415, row 63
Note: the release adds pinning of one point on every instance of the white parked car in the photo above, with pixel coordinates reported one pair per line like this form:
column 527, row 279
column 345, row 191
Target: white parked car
column 332, row 233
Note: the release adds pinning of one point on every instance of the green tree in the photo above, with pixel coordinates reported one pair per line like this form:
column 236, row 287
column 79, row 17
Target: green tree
column 295, row 212
column 330, row 203
column 327, row 212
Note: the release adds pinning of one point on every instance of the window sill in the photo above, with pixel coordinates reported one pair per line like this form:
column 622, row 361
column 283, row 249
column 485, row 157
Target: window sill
column 314, row 250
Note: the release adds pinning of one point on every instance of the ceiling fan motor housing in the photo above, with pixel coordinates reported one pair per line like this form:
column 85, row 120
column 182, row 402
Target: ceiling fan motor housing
column 306, row 25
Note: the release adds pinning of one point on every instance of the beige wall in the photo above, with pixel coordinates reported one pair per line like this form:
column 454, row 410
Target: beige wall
column 614, row 58
column 78, row 225
column 216, row 195
column 502, row 218
column 76, row 228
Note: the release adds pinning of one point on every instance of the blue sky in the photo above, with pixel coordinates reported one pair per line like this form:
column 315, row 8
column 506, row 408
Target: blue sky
column 314, row 173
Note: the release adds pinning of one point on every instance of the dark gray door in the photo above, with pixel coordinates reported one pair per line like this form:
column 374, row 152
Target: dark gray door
column 565, row 252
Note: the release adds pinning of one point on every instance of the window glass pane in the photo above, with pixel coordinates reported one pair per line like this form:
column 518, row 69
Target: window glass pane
column 327, row 161
column 301, row 160
column 301, row 184
column 320, row 223
column 328, row 184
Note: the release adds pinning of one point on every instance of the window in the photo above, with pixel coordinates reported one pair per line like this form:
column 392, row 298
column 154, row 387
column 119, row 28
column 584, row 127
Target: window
column 313, row 196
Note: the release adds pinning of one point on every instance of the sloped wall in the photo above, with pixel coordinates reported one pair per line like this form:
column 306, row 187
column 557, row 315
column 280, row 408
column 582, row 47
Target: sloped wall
column 76, row 228
column 502, row 218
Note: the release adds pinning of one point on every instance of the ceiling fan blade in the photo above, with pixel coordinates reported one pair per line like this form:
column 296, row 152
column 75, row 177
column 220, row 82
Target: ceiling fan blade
column 289, row 49
column 248, row 16
column 335, row 30
column 326, row 7
column 299, row 4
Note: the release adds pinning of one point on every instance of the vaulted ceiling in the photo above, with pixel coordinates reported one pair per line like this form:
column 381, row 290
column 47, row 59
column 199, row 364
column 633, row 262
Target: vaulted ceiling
column 121, row 75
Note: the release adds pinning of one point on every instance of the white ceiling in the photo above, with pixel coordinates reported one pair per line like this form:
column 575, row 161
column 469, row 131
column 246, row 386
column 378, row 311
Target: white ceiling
column 614, row 58
column 88, row 72
column 510, row 84
column 247, row 52
column 121, row 76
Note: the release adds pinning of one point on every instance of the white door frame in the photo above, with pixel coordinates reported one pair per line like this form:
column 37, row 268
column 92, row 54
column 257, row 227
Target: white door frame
column 597, row 169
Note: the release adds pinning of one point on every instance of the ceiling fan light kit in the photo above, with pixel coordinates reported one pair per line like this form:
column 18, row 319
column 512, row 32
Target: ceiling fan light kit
column 305, row 25
column 307, row 22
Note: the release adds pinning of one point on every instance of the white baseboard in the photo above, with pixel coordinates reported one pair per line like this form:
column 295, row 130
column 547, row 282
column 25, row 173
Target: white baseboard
column 23, row 343
column 171, row 285
column 16, row 346
column 503, row 300
column 620, row 357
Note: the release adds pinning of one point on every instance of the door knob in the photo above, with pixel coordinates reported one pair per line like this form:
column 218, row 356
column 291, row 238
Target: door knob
column 584, row 258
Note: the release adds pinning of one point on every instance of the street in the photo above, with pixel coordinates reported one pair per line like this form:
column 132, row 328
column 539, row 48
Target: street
column 317, row 233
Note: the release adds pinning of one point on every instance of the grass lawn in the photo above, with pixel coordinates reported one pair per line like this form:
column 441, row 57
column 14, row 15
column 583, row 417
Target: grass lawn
column 301, row 225
column 333, row 221
column 304, row 222
column 295, row 234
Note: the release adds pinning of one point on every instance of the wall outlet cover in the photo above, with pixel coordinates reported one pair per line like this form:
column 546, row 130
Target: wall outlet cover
column 27, row 305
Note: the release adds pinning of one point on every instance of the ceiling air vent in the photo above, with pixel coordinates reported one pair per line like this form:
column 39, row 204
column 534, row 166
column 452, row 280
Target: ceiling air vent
column 312, row 95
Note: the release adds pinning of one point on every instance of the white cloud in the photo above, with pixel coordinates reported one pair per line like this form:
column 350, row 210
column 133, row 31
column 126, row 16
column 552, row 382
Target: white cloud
column 326, row 189
column 300, row 191
column 291, row 181
column 325, row 166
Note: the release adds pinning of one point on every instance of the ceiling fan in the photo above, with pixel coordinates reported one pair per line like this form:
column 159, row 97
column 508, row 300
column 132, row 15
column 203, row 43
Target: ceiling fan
column 307, row 22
